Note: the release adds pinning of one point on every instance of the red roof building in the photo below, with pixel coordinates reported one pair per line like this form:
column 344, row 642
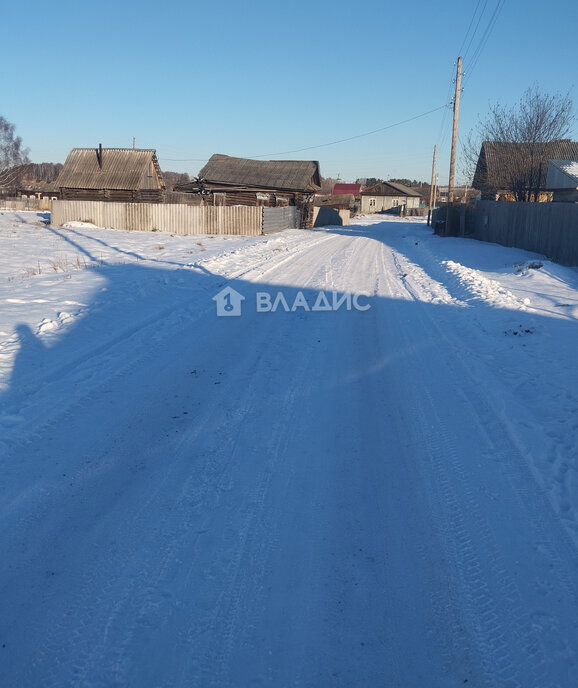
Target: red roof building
column 343, row 189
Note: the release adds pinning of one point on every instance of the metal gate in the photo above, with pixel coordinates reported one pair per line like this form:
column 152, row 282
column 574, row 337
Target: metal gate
column 278, row 219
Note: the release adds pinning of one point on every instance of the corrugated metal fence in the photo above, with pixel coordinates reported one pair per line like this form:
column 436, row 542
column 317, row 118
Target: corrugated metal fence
column 172, row 218
column 278, row 219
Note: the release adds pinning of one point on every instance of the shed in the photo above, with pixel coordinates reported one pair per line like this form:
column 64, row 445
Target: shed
column 334, row 210
column 111, row 174
column 227, row 180
column 387, row 196
column 562, row 180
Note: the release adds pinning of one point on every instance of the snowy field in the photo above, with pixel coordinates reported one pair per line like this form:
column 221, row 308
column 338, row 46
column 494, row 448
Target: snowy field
column 384, row 497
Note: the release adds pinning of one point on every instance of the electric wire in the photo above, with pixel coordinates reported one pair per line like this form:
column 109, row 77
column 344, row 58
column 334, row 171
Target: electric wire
column 469, row 27
column 351, row 138
column 322, row 145
column 472, row 37
column 485, row 36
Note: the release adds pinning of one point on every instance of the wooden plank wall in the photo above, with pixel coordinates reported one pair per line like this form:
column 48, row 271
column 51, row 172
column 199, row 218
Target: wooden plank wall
column 550, row 229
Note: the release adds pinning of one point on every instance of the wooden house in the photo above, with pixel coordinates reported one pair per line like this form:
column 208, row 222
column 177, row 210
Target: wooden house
column 229, row 181
column 517, row 171
column 111, row 174
column 388, row 196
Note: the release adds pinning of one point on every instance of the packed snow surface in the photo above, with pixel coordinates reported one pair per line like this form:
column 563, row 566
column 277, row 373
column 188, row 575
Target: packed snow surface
column 296, row 496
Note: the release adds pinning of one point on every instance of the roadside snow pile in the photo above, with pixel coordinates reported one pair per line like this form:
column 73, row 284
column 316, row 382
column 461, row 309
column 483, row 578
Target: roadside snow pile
column 488, row 290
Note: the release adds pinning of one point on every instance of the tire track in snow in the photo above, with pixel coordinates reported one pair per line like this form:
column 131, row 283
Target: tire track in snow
column 448, row 631
column 484, row 569
column 232, row 613
column 96, row 587
column 132, row 343
column 100, row 588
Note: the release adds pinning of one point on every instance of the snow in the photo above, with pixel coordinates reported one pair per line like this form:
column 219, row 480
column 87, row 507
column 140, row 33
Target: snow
column 380, row 497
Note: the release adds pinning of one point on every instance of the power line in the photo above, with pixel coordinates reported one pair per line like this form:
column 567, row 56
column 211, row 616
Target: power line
column 184, row 159
column 485, row 36
column 322, row 145
column 442, row 133
column 482, row 12
column 469, row 27
column 351, row 138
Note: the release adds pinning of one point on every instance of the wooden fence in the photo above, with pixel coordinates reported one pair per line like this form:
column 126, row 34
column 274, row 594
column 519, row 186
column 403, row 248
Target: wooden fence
column 159, row 217
column 550, row 229
column 30, row 203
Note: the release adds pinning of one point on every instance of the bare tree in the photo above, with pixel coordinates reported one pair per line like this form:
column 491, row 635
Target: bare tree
column 11, row 151
column 172, row 179
column 327, row 184
column 516, row 142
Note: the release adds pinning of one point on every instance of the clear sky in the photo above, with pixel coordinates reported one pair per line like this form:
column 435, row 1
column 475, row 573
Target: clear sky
column 265, row 79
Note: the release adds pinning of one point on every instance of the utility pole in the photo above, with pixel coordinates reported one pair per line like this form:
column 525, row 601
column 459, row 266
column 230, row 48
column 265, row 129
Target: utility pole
column 455, row 131
column 431, row 188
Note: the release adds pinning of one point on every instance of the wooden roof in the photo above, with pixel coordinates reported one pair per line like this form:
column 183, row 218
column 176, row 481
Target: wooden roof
column 389, row 189
column 332, row 201
column 121, row 168
column 285, row 175
column 497, row 158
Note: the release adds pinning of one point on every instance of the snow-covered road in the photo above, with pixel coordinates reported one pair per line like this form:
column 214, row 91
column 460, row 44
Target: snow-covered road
column 377, row 497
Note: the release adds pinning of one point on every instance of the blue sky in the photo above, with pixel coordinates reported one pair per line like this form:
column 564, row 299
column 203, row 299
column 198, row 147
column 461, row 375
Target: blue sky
column 260, row 79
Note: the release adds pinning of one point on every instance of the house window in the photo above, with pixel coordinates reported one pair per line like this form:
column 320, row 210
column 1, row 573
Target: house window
column 371, row 202
column 395, row 203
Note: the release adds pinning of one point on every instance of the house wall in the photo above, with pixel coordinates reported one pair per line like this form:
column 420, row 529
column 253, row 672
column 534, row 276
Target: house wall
column 559, row 179
column 377, row 204
column 151, row 181
column 566, row 195
column 153, row 195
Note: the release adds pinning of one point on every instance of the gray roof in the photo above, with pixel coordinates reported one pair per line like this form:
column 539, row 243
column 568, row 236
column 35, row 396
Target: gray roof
column 286, row 175
column 497, row 157
column 122, row 168
column 334, row 200
column 389, row 189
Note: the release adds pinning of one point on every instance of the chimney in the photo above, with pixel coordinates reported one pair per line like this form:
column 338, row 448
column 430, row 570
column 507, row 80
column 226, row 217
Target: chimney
column 99, row 155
